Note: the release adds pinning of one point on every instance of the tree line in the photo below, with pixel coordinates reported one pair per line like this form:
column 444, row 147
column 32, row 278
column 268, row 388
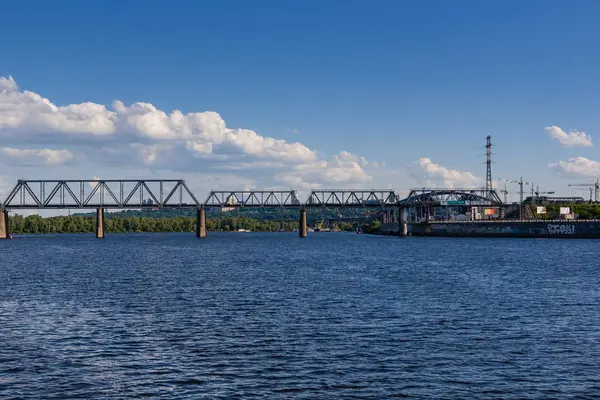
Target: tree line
column 582, row 211
column 86, row 224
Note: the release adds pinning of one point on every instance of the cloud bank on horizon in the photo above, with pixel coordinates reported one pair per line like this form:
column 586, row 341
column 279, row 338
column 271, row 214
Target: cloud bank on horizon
column 141, row 134
column 576, row 166
column 39, row 133
column 431, row 174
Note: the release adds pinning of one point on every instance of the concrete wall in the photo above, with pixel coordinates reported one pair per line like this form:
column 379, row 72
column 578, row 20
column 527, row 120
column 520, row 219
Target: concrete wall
column 549, row 229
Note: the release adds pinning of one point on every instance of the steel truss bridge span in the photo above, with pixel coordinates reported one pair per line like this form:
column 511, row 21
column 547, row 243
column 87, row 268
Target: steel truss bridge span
column 174, row 193
column 87, row 194
column 317, row 198
column 443, row 197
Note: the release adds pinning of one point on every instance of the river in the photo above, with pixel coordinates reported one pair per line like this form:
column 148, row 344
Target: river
column 336, row 315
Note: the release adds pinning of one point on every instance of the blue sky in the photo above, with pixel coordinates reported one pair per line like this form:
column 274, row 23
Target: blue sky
column 394, row 82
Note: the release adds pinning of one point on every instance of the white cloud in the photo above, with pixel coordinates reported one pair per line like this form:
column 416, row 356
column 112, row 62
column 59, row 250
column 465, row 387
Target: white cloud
column 428, row 173
column 5, row 186
column 204, row 132
column 342, row 170
column 140, row 135
column 578, row 166
column 36, row 157
column 571, row 139
column 30, row 112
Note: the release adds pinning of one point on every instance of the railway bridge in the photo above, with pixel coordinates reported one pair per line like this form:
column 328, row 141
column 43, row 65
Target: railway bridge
column 100, row 195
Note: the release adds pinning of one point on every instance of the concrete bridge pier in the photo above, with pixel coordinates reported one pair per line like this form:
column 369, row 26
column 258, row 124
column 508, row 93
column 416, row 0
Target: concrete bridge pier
column 302, row 229
column 402, row 223
column 201, row 223
column 100, row 223
column 4, row 232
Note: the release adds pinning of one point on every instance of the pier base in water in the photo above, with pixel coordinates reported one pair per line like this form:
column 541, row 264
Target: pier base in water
column 100, row 223
column 3, row 224
column 302, row 230
column 402, row 225
column 201, row 223
column 403, row 231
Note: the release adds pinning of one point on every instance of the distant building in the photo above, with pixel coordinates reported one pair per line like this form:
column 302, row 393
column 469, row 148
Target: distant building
column 231, row 200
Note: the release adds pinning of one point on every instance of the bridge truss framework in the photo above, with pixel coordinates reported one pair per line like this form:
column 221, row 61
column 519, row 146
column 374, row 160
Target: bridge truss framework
column 170, row 193
column 421, row 201
column 174, row 193
column 92, row 194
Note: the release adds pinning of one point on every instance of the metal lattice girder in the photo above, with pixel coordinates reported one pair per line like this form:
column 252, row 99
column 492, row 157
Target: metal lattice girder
column 352, row 198
column 52, row 194
column 252, row 198
column 440, row 197
column 165, row 193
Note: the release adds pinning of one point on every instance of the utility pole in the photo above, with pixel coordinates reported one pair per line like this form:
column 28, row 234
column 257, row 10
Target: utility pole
column 488, row 154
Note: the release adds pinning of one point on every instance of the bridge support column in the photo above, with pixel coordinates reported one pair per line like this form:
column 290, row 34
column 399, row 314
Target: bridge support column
column 100, row 223
column 201, row 223
column 4, row 224
column 402, row 224
column 302, row 229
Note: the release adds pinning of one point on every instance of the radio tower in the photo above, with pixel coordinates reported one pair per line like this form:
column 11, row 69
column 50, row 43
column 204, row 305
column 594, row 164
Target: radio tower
column 488, row 176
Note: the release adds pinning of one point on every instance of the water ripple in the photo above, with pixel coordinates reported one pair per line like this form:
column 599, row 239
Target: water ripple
column 270, row 316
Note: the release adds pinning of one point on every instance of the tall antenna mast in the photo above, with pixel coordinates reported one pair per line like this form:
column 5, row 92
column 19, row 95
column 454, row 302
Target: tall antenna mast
column 488, row 154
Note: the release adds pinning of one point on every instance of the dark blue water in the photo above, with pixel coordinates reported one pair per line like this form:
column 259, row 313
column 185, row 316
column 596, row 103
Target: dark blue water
column 273, row 316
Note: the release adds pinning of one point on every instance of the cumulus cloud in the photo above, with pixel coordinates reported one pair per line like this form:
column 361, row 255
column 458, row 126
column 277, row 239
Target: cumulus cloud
column 36, row 157
column 31, row 112
column 571, row 139
column 143, row 135
column 202, row 132
column 578, row 166
column 426, row 172
column 342, row 169
column 5, row 188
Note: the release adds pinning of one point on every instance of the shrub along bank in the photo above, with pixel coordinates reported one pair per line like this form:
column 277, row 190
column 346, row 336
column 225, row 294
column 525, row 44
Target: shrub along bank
column 85, row 224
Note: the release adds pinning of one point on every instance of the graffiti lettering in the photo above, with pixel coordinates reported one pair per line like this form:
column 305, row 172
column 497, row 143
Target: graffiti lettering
column 555, row 229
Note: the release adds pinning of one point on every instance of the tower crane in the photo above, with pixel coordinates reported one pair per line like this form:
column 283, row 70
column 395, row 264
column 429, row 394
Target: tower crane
column 505, row 193
column 521, row 182
column 595, row 186
column 537, row 192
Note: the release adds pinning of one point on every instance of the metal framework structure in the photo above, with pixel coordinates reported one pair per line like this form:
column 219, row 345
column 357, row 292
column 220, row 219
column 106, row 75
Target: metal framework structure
column 56, row 194
column 171, row 193
column 442, row 197
column 252, row 198
column 488, row 163
column 352, row 198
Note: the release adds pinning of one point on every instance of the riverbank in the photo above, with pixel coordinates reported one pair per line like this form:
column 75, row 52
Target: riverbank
column 36, row 224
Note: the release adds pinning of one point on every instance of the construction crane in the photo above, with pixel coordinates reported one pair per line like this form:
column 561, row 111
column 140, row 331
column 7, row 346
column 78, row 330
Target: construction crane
column 521, row 182
column 505, row 192
column 591, row 191
column 595, row 186
column 537, row 193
